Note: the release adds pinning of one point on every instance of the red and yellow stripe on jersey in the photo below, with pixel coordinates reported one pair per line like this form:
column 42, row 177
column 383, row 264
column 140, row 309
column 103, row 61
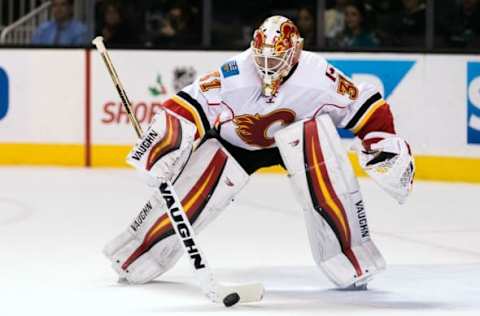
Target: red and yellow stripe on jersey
column 185, row 105
column 324, row 199
column 193, row 203
column 373, row 115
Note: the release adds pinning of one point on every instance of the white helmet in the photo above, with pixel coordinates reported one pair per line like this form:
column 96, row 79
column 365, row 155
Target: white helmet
column 276, row 48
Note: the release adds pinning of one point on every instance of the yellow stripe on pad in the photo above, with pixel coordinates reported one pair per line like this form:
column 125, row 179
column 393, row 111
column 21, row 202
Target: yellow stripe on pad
column 325, row 192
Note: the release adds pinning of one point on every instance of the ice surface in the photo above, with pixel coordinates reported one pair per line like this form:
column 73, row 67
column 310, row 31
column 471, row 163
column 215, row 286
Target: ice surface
column 54, row 223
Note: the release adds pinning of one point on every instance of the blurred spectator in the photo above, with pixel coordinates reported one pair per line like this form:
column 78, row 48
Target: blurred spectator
column 383, row 19
column 335, row 20
column 63, row 30
column 409, row 26
column 442, row 12
column 114, row 27
column 233, row 29
column 463, row 28
column 178, row 27
column 306, row 26
column 356, row 33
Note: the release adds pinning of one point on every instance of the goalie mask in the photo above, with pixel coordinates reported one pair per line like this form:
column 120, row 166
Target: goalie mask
column 276, row 48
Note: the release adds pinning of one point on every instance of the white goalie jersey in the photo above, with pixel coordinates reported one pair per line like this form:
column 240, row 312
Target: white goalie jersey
column 231, row 100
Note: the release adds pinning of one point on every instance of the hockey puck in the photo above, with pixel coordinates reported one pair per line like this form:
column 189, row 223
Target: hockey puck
column 231, row 299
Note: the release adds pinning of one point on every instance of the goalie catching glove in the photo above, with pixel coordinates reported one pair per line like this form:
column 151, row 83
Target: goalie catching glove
column 387, row 159
column 164, row 148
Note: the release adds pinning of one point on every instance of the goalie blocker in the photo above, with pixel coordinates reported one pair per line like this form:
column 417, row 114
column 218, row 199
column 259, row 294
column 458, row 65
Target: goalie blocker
column 329, row 193
column 164, row 149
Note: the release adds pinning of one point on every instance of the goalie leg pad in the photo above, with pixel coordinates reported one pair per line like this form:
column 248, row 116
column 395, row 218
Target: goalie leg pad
column 205, row 187
column 329, row 193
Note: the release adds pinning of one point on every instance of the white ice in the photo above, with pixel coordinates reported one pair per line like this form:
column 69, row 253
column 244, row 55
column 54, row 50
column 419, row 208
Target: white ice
column 54, row 223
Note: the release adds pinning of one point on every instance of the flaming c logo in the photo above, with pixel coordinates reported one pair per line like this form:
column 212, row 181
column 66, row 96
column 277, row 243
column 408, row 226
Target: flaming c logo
column 252, row 129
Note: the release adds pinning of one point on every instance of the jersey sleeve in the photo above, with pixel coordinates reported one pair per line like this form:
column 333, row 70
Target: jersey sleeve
column 198, row 102
column 358, row 107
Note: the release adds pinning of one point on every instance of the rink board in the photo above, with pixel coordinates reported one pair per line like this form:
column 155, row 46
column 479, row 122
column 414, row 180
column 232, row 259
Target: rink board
column 58, row 107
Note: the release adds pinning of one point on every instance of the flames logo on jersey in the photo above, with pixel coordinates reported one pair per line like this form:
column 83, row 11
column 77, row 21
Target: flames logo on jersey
column 253, row 129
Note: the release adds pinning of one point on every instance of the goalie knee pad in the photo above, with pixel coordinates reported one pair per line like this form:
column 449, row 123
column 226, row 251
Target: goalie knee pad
column 149, row 247
column 329, row 193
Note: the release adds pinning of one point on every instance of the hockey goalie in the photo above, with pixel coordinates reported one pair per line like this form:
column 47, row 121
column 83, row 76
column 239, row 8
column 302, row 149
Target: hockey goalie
column 273, row 104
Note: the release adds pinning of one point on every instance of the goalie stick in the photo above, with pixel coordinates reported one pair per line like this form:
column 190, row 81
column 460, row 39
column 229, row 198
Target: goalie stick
column 216, row 292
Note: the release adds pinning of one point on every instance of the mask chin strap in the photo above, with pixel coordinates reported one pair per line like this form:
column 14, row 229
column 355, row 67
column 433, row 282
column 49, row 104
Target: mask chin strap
column 271, row 82
column 267, row 86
